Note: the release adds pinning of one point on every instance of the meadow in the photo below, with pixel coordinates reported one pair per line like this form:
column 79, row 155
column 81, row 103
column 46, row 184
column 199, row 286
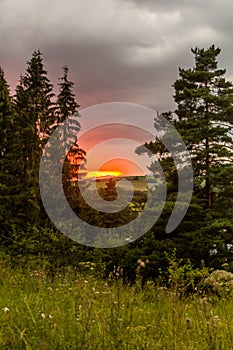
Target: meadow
column 138, row 182
column 79, row 310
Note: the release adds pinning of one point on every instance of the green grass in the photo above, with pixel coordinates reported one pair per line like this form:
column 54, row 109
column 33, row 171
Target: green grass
column 83, row 312
column 138, row 185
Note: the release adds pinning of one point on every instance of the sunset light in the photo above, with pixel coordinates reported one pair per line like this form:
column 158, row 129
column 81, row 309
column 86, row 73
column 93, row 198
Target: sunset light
column 96, row 174
column 115, row 167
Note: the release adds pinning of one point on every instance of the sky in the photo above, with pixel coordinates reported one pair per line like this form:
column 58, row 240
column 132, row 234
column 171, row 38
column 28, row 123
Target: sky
column 116, row 50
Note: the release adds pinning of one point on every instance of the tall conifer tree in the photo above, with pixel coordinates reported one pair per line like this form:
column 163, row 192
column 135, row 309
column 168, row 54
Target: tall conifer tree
column 204, row 119
column 35, row 115
column 8, row 176
column 67, row 110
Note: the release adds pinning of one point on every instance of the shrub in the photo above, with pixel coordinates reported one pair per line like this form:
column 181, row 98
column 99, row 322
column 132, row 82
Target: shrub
column 183, row 278
column 220, row 282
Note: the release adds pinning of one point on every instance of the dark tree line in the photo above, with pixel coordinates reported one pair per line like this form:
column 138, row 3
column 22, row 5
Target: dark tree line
column 27, row 120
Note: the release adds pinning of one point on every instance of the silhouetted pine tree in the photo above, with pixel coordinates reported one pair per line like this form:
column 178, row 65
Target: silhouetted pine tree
column 35, row 116
column 204, row 119
column 8, row 163
column 74, row 165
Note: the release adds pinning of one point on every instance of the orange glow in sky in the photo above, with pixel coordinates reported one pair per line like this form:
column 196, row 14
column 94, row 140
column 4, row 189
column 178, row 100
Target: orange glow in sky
column 97, row 173
column 116, row 167
column 111, row 148
column 123, row 165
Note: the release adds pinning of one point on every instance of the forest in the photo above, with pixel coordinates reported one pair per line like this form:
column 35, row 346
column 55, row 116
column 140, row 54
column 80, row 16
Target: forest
column 121, row 284
column 203, row 117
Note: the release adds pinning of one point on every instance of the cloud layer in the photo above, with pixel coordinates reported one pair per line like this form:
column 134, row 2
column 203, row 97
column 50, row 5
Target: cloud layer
column 117, row 50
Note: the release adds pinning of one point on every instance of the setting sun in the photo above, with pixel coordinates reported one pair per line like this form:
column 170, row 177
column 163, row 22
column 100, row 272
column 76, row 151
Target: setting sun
column 123, row 166
column 96, row 174
column 115, row 167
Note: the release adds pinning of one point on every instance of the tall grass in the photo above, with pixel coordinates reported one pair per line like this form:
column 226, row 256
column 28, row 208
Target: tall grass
column 79, row 311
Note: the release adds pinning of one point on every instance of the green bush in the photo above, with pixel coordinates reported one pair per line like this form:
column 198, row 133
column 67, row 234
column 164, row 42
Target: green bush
column 220, row 282
column 183, row 278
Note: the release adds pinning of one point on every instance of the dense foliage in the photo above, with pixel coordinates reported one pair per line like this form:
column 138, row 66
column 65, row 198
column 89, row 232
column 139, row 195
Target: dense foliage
column 204, row 119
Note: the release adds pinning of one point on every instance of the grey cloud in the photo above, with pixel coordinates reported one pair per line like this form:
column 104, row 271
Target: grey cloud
column 117, row 50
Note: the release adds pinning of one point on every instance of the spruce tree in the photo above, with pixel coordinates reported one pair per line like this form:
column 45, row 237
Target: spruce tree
column 39, row 93
column 67, row 110
column 35, row 116
column 8, row 178
column 204, row 119
column 66, row 103
column 74, row 165
column 6, row 120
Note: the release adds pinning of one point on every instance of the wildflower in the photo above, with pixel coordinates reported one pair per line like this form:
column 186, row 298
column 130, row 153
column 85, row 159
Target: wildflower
column 5, row 309
column 216, row 318
column 50, row 316
column 43, row 315
column 141, row 264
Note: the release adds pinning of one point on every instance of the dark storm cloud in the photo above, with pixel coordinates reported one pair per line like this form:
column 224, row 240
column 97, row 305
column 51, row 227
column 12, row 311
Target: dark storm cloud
column 117, row 50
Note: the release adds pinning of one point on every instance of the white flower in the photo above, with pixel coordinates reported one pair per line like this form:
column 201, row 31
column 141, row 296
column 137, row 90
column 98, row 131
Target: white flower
column 50, row 316
column 5, row 309
column 215, row 318
column 43, row 315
